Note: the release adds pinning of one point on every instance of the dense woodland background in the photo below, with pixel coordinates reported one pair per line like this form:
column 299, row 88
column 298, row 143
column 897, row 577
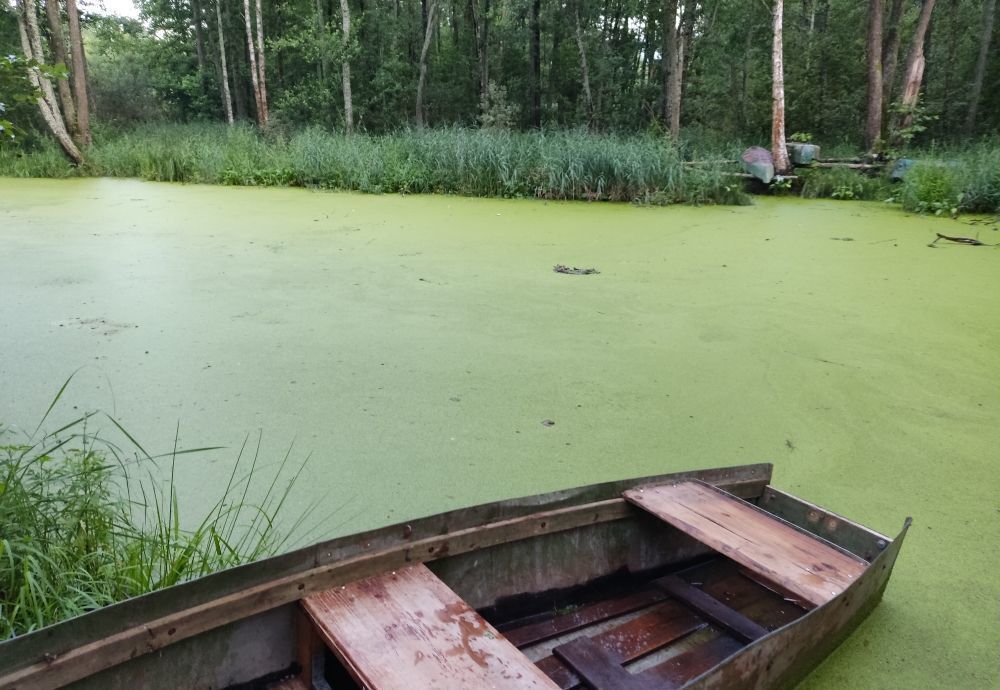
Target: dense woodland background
column 532, row 64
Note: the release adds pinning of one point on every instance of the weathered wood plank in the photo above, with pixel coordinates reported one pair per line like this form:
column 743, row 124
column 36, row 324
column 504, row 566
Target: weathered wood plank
column 656, row 628
column 794, row 560
column 667, row 622
column 407, row 629
column 588, row 615
column 711, row 608
column 676, row 671
column 599, row 668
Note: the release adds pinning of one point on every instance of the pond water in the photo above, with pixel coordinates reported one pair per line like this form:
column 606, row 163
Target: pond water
column 418, row 348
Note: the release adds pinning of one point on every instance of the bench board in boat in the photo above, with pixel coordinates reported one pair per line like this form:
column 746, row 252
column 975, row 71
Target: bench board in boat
column 795, row 562
column 407, row 629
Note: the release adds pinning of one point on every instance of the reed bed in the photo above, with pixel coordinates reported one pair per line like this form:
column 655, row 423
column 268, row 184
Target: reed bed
column 551, row 165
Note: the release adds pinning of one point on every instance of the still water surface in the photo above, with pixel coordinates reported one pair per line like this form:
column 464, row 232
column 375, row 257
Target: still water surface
column 415, row 346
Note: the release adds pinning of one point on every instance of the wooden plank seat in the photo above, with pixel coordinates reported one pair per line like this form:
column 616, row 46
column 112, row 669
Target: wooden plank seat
column 407, row 629
column 796, row 563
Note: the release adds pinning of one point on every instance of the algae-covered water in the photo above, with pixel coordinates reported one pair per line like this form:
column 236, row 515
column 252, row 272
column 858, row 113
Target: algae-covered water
column 416, row 345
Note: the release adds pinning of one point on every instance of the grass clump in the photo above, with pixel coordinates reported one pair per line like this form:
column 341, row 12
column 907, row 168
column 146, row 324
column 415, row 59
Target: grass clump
column 85, row 522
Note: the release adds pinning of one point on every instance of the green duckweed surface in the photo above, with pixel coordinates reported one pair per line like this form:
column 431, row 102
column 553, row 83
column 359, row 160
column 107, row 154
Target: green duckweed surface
column 415, row 345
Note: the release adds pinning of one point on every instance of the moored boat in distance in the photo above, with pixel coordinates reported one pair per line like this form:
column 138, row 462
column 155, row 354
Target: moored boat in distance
column 708, row 579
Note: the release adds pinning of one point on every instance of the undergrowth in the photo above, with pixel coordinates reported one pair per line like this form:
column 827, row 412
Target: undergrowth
column 86, row 522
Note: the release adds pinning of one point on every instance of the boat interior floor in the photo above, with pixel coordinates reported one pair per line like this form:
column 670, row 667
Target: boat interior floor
column 658, row 631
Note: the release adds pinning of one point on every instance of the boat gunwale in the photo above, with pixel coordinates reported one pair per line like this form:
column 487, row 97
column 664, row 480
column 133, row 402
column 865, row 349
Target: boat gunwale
column 53, row 656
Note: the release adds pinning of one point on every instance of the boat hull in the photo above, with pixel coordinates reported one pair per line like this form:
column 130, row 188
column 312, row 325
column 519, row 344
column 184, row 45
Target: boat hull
column 239, row 626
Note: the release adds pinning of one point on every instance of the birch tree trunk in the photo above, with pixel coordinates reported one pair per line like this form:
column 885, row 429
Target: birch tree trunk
column 587, row 97
column 31, row 44
column 254, row 74
column 345, row 66
column 779, row 152
column 989, row 13
column 914, row 70
column 428, row 36
column 58, row 43
column 79, row 74
column 227, row 100
column 873, row 122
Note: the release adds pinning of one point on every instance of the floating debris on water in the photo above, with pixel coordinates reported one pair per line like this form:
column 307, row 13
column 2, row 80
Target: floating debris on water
column 560, row 268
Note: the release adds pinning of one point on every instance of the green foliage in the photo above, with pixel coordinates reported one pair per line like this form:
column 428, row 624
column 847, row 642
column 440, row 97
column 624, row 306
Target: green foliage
column 843, row 184
column 801, row 137
column 86, row 522
column 16, row 94
column 495, row 111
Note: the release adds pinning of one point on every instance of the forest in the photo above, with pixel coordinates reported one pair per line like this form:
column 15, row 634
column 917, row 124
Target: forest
column 694, row 78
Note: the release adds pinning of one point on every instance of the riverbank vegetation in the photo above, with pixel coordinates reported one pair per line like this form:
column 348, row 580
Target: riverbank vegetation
column 86, row 522
column 640, row 168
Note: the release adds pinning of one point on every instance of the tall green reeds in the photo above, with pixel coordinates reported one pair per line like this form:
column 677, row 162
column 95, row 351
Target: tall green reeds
column 552, row 165
column 86, row 522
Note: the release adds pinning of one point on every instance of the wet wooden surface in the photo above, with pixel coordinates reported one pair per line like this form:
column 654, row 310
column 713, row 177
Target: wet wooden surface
column 710, row 608
column 407, row 629
column 580, row 618
column 793, row 561
column 676, row 671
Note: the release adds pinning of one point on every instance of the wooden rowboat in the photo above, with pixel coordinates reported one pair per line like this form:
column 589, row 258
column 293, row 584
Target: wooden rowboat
column 707, row 579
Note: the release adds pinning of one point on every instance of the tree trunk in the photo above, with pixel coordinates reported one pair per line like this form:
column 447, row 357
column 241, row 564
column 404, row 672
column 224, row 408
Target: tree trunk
column 57, row 41
column 585, row 71
column 890, row 51
column 260, row 61
column 873, row 123
column 677, row 69
column 428, row 37
column 345, row 66
column 27, row 24
column 779, row 152
column 669, row 57
column 535, row 50
column 324, row 58
column 227, row 100
column 914, row 70
column 989, row 11
column 79, row 74
column 254, row 74
column 199, row 35
column 480, row 21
